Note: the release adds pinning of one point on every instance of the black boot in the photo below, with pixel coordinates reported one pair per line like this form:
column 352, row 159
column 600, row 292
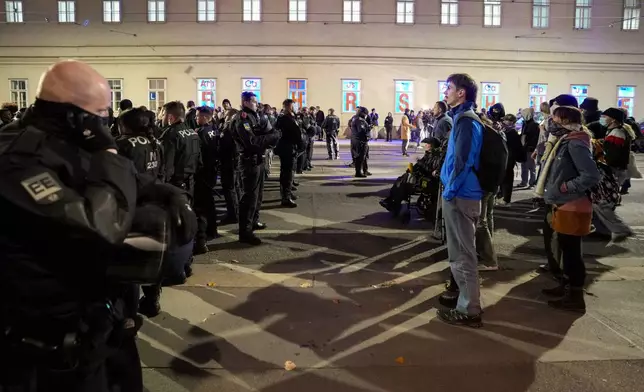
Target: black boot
column 149, row 305
column 288, row 203
column 249, row 238
column 573, row 300
column 200, row 248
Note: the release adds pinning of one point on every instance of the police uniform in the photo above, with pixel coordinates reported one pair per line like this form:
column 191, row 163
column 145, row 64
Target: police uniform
column 229, row 170
column 252, row 141
column 331, row 125
column 146, row 154
column 266, row 123
column 205, row 181
column 360, row 144
column 182, row 155
column 288, row 147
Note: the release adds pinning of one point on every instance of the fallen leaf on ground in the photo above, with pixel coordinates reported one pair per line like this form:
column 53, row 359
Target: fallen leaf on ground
column 211, row 284
column 289, row 365
column 234, row 261
column 400, row 360
column 306, row 285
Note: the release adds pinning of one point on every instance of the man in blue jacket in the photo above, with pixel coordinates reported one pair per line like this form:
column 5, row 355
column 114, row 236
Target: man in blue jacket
column 462, row 200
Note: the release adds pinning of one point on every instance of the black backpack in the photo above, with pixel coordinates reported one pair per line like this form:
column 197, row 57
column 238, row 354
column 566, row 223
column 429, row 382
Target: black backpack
column 494, row 155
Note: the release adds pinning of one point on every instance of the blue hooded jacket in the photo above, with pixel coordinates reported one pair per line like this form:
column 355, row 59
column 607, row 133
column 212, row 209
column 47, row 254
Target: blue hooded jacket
column 462, row 158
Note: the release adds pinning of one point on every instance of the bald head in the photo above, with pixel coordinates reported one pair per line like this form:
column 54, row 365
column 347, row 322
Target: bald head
column 75, row 83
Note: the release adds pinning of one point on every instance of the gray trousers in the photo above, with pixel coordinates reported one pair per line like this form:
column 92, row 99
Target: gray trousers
column 461, row 218
column 485, row 231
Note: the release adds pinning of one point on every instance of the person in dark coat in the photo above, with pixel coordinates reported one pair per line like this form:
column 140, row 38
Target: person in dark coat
column 530, row 139
column 591, row 112
column 516, row 153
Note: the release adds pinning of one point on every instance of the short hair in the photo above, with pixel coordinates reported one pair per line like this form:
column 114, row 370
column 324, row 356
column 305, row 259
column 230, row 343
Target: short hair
column 331, row 110
column 569, row 114
column 191, row 104
column 225, row 101
column 125, row 104
column 510, row 117
column 176, row 109
column 246, row 96
column 544, row 107
column 464, row 82
column 443, row 106
column 288, row 102
column 205, row 110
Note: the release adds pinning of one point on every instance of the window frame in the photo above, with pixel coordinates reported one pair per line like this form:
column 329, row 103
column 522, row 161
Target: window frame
column 157, row 90
column 198, row 101
column 618, row 97
column 66, row 12
column 411, row 94
column 120, row 13
column 493, row 4
column 352, row 12
column 542, row 7
column 298, row 12
column 589, row 9
column 115, row 104
column 305, row 90
column 405, row 13
column 20, row 13
column 342, row 92
column 449, row 3
column 251, row 2
column 18, row 91
column 630, row 19
column 157, row 14
column 205, row 2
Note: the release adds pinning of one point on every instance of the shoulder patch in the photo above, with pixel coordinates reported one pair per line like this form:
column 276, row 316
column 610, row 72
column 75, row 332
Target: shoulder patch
column 247, row 126
column 244, row 115
column 43, row 188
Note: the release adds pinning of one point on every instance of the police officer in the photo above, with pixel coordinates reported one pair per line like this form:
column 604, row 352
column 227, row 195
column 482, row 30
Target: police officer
column 287, row 149
column 205, row 181
column 191, row 116
column 181, row 146
column 137, row 142
column 252, row 141
column 360, row 142
column 229, row 169
column 306, row 122
column 66, row 198
column 331, row 125
column 268, row 124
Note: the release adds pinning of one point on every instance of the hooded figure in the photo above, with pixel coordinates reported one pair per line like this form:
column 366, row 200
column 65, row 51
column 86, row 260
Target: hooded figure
column 591, row 112
column 496, row 112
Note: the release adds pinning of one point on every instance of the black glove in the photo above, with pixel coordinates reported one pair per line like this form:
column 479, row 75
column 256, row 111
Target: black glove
column 183, row 219
column 96, row 135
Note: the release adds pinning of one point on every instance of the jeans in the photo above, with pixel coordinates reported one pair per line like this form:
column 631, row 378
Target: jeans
column 461, row 217
column 529, row 171
column 405, row 143
column 607, row 221
column 388, row 130
column 573, row 263
column 485, row 231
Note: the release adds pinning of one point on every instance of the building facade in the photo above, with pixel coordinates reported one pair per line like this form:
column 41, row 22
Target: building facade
column 386, row 54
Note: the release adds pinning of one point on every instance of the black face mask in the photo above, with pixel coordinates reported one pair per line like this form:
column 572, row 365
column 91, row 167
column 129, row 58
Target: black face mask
column 78, row 120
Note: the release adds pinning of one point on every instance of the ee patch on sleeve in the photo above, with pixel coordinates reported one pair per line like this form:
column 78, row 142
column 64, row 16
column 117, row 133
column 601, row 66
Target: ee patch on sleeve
column 43, row 188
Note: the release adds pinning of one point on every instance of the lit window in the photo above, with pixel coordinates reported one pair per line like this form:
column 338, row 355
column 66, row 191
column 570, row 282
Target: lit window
column 297, row 11
column 404, row 98
column 207, row 92
column 253, row 85
column 66, row 11
column 449, row 12
column 18, row 93
column 626, row 98
column 583, row 10
column 13, row 11
column 540, row 14
column 492, row 13
column 156, row 94
column 156, row 10
column 252, row 11
column 405, row 12
column 206, row 11
column 631, row 15
column 352, row 12
column 111, row 11
column 351, row 92
column 297, row 92
column 117, row 92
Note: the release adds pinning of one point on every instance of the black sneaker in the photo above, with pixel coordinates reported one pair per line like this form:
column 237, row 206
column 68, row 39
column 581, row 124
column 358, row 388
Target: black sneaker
column 455, row 317
column 288, row 203
column 367, row 173
column 250, row 239
column 200, row 248
column 360, row 175
column 259, row 226
column 149, row 307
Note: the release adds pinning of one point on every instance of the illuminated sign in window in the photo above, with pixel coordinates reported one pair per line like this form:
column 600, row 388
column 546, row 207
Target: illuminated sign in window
column 351, row 89
column 254, row 86
column 207, row 92
column 538, row 94
column 297, row 92
column 490, row 94
column 626, row 98
column 404, row 96
column 579, row 91
column 442, row 87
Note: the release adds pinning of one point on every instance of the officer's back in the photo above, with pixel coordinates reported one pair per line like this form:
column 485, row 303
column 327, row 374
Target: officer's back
column 181, row 145
column 359, row 129
column 209, row 137
column 138, row 143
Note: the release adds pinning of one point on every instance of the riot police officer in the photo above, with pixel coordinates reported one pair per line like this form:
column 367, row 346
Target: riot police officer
column 360, row 142
column 229, row 169
column 287, row 149
column 66, row 198
column 331, row 125
column 137, row 142
column 252, row 141
column 205, row 181
column 181, row 147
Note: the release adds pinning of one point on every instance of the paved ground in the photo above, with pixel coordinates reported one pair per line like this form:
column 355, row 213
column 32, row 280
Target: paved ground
column 348, row 294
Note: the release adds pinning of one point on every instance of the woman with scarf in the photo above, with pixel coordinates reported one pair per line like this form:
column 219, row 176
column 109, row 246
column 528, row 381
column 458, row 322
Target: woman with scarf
column 569, row 173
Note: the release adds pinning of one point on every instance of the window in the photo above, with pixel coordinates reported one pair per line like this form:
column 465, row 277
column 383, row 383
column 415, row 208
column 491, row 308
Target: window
column 252, row 11
column 111, row 11
column 207, row 92
column 297, row 11
column 206, row 11
column 579, row 91
column 490, row 94
column 404, row 95
column 66, row 12
column 156, row 10
column 492, row 13
column 540, row 14
column 13, row 11
column 297, row 92
column 117, row 92
column 405, row 12
column 626, row 99
column 18, row 92
column 449, row 12
column 254, row 86
column 352, row 12
column 583, row 10
column 351, row 89
column 631, row 15
column 538, row 94
column 156, row 94
column 442, row 87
